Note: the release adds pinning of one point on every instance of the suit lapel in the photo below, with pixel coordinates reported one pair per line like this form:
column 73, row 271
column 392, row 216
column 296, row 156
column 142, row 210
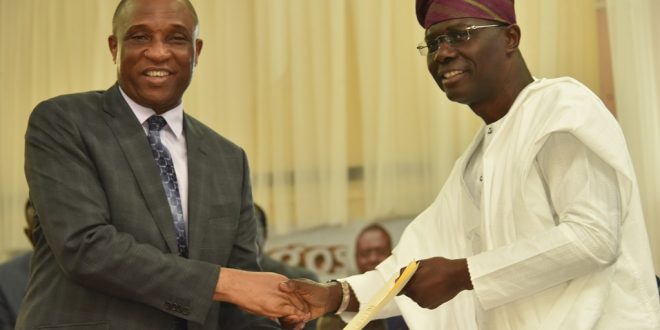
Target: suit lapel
column 133, row 141
column 198, row 192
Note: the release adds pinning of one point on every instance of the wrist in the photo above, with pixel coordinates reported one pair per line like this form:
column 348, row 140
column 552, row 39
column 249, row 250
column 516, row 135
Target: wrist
column 334, row 297
column 345, row 297
column 464, row 275
column 223, row 287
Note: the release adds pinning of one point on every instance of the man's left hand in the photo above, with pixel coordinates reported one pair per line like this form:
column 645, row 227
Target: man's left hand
column 438, row 280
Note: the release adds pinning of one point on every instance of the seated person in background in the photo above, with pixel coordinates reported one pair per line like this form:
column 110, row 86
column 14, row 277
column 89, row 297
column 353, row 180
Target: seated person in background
column 14, row 276
column 372, row 245
column 268, row 263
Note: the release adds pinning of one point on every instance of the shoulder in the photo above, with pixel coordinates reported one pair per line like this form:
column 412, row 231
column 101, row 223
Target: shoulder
column 562, row 89
column 562, row 92
column 561, row 104
column 565, row 105
column 17, row 267
column 69, row 106
column 76, row 99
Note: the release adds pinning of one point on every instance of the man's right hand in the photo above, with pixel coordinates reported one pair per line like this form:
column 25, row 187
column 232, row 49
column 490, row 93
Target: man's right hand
column 260, row 293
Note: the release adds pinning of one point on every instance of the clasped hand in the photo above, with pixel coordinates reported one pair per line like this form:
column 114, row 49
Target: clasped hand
column 259, row 293
column 436, row 281
column 296, row 301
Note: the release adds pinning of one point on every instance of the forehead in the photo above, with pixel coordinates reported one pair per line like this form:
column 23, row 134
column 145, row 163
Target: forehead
column 157, row 13
column 456, row 23
column 372, row 238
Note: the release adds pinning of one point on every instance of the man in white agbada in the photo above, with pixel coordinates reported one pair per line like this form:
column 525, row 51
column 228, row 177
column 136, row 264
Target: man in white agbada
column 539, row 225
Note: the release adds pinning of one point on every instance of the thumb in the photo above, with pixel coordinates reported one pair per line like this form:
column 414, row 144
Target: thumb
column 406, row 288
column 288, row 286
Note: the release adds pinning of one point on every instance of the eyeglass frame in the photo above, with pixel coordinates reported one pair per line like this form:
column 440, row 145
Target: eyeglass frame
column 424, row 47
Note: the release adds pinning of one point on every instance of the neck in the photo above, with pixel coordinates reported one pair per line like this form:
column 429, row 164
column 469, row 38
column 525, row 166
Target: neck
column 496, row 107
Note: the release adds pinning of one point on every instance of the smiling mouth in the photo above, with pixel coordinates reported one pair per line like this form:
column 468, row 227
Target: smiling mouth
column 452, row 74
column 157, row 73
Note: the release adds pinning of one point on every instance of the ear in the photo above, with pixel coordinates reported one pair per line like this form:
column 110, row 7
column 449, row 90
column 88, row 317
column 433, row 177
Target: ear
column 113, row 45
column 198, row 49
column 512, row 38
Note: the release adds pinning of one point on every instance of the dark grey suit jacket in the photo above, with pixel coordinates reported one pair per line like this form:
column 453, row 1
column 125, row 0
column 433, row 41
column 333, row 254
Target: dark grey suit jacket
column 106, row 253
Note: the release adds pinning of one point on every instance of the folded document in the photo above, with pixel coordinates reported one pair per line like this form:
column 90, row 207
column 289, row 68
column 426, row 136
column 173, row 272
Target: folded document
column 382, row 297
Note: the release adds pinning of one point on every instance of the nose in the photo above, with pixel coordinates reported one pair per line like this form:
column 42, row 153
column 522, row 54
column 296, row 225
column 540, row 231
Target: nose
column 445, row 52
column 375, row 258
column 157, row 51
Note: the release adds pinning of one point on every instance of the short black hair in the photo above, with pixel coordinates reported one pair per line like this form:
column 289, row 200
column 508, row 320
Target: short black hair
column 374, row 227
column 119, row 12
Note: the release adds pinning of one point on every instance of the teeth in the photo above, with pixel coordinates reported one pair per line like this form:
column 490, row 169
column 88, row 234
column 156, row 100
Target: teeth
column 452, row 74
column 157, row 73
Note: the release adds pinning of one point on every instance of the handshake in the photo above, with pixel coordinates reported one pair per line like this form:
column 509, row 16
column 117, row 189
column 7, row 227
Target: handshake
column 297, row 301
column 293, row 301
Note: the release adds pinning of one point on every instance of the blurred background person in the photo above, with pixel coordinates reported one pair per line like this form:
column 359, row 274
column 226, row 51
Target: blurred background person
column 372, row 245
column 14, row 276
column 270, row 264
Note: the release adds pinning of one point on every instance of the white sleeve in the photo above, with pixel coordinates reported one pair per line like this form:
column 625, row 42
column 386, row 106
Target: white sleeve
column 365, row 286
column 583, row 191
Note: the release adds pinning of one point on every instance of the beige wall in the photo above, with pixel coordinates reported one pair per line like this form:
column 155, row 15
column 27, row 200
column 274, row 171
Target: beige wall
column 635, row 39
column 309, row 88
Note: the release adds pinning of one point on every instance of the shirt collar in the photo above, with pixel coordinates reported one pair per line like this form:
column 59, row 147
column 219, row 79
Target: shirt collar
column 174, row 116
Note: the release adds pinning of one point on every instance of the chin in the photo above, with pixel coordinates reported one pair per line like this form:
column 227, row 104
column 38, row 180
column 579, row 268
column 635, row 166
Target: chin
column 458, row 98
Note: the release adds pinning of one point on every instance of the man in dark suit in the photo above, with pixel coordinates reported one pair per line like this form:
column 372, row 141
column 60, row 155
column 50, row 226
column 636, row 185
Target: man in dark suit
column 145, row 214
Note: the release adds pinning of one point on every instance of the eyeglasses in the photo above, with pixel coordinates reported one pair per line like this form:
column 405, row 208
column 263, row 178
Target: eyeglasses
column 452, row 37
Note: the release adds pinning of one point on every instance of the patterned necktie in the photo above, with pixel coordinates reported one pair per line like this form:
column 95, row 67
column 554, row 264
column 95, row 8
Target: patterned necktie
column 168, row 178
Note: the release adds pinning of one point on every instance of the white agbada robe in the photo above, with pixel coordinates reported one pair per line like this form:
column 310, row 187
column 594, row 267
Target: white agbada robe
column 553, row 231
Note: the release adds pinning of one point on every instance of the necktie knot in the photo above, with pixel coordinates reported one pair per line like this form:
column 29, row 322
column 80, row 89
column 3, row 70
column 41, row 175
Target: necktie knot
column 156, row 123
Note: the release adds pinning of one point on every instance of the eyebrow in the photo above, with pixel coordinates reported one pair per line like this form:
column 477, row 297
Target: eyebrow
column 454, row 27
column 176, row 27
column 458, row 25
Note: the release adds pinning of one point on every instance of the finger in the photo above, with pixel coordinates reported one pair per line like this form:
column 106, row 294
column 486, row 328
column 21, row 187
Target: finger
column 294, row 319
column 294, row 300
column 287, row 286
column 288, row 309
column 404, row 291
column 292, row 325
column 298, row 303
column 290, row 319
